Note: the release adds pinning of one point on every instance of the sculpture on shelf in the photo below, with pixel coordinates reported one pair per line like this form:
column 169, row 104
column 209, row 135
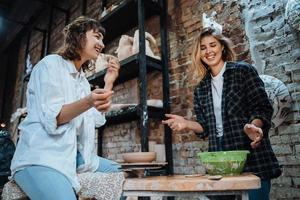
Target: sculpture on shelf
column 102, row 62
column 124, row 49
column 129, row 46
column 107, row 10
column 280, row 99
column 210, row 22
column 151, row 102
column 150, row 42
column 99, row 64
column 89, row 72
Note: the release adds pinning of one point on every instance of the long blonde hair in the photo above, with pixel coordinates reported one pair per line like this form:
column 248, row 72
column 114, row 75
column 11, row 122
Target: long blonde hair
column 199, row 67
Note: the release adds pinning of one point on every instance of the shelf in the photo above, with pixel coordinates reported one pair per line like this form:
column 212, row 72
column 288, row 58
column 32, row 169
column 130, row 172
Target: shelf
column 129, row 69
column 131, row 113
column 125, row 17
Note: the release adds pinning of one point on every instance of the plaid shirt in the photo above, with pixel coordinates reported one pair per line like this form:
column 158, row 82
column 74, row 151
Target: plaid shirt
column 243, row 99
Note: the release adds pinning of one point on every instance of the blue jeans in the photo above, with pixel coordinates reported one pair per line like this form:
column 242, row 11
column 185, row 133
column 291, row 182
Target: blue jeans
column 220, row 143
column 261, row 193
column 257, row 194
column 39, row 182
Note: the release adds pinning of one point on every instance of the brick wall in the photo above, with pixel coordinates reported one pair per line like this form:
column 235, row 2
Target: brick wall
column 260, row 36
column 276, row 52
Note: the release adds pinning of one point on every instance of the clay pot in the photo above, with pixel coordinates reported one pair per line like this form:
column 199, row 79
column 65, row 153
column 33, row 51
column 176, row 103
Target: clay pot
column 139, row 157
column 151, row 145
column 160, row 150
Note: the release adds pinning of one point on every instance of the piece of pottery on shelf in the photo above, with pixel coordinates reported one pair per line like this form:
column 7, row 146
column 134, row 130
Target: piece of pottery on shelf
column 211, row 22
column 151, row 145
column 151, row 102
column 89, row 73
column 102, row 62
column 160, row 150
column 155, row 103
column 139, row 157
column 104, row 12
column 124, row 49
column 119, row 106
column 150, row 42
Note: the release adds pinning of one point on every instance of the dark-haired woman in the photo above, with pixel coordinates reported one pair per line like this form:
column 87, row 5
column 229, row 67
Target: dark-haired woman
column 232, row 108
column 57, row 136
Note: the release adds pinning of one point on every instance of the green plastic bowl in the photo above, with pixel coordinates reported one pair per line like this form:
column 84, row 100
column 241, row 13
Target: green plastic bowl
column 225, row 163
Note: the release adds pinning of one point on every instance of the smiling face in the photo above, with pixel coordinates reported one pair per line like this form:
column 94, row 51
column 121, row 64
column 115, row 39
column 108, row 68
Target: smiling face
column 211, row 52
column 93, row 45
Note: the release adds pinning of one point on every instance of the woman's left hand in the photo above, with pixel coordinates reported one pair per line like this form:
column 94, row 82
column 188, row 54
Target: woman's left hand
column 112, row 71
column 254, row 133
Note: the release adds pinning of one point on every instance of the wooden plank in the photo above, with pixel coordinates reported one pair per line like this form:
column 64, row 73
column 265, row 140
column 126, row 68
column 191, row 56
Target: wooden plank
column 181, row 183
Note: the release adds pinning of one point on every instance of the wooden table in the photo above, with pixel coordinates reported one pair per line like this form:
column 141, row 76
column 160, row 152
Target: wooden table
column 181, row 185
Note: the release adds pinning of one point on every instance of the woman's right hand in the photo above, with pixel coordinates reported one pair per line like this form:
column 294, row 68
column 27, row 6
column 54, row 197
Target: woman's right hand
column 255, row 134
column 100, row 99
column 175, row 122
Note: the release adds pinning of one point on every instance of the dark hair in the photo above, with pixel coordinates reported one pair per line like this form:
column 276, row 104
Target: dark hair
column 228, row 54
column 75, row 38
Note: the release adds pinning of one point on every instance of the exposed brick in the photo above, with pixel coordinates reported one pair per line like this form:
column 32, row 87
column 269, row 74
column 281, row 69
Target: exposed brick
column 285, row 193
column 297, row 149
column 282, row 181
column 282, row 149
column 267, row 34
column 290, row 160
column 296, row 182
column 291, row 129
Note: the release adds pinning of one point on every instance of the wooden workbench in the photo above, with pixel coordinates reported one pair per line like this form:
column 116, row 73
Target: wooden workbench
column 180, row 185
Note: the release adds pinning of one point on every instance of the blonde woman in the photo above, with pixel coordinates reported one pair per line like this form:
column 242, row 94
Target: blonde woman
column 232, row 108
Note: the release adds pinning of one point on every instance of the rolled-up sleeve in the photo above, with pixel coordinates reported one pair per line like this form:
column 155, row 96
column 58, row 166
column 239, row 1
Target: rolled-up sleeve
column 46, row 87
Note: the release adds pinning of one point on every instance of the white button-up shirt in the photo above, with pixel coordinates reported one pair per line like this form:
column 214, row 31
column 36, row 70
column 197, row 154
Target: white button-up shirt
column 55, row 82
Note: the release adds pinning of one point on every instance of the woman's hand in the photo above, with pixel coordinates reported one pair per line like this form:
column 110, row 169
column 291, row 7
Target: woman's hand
column 254, row 133
column 100, row 99
column 112, row 72
column 176, row 122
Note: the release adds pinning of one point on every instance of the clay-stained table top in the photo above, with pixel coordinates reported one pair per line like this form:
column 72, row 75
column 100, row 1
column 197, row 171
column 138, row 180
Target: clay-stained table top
column 182, row 183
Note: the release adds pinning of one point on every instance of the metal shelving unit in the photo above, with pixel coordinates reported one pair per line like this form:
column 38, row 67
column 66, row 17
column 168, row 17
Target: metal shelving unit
column 129, row 14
